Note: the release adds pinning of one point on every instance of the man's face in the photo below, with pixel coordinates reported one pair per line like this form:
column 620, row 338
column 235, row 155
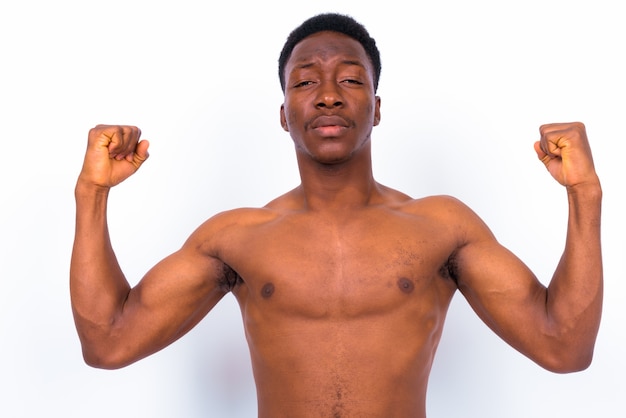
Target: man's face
column 330, row 106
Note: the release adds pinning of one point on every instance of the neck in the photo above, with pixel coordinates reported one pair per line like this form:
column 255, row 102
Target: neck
column 339, row 186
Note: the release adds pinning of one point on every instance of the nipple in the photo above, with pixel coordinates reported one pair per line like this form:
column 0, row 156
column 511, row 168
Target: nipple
column 267, row 290
column 405, row 285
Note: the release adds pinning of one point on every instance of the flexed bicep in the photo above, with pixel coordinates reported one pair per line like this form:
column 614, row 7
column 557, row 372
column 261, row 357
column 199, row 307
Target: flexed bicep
column 168, row 301
column 509, row 299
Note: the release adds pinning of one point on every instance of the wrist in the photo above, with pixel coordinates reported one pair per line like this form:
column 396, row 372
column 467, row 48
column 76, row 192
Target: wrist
column 585, row 205
column 590, row 190
column 86, row 188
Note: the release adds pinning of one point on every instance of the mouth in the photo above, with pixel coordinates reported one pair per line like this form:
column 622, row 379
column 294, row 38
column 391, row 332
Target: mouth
column 329, row 126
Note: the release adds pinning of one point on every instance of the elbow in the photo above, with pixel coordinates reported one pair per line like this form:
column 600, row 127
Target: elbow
column 99, row 362
column 103, row 347
column 567, row 360
column 564, row 367
column 104, row 356
column 105, row 362
column 567, row 348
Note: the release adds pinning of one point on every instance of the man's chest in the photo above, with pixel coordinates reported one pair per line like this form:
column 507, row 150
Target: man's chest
column 355, row 269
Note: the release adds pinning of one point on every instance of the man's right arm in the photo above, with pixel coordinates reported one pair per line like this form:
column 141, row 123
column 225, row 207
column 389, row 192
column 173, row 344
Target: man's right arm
column 117, row 324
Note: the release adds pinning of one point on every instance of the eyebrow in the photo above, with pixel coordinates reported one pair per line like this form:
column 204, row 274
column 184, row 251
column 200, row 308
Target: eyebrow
column 309, row 64
column 353, row 62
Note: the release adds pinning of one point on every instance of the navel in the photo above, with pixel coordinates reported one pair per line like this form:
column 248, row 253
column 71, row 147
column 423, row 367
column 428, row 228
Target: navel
column 405, row 285
column 267, row 290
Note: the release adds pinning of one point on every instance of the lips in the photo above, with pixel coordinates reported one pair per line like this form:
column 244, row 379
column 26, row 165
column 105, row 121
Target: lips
column 329, row 121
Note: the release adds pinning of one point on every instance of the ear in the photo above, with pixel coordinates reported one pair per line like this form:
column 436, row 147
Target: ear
column 377, row 111
column 283, row 118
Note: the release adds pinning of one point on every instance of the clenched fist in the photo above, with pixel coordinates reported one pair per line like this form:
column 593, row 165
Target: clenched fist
column 113, row 154
column 565, row 151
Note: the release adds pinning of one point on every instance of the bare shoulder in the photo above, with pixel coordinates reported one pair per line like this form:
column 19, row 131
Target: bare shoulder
column 227, row 225
column 452, row 212
column 437, row 203
column 440, row 206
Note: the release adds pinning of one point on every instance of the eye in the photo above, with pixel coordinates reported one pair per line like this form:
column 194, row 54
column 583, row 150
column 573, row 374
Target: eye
column 303, row 83
column 352, row 81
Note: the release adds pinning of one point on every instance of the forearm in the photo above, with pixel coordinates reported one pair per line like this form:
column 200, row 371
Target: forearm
column 97, row 285
column 574, row 296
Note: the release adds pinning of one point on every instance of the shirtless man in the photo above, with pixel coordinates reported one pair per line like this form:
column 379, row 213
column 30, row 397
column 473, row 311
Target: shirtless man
column 343, row 283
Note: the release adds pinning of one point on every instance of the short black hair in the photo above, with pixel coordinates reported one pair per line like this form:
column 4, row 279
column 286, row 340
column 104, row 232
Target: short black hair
column 330, row 22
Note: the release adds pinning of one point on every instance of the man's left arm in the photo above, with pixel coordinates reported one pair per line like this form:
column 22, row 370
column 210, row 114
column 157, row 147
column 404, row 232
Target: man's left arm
column 557, row 325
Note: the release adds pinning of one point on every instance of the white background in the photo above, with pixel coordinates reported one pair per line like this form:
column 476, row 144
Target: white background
column 464, row 87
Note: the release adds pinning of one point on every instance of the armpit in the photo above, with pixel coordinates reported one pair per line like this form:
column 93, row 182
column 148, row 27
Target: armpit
column 449, row 270
column 229, row 278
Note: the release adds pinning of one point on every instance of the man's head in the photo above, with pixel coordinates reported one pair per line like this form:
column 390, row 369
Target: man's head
column 330, row 22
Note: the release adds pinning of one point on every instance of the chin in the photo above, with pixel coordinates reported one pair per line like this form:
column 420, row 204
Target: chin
column 333, row 160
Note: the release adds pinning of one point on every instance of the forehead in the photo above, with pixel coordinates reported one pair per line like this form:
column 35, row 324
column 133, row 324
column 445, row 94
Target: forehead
column 325, row 46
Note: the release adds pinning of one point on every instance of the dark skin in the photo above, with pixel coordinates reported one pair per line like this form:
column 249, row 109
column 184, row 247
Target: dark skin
column 343, row 283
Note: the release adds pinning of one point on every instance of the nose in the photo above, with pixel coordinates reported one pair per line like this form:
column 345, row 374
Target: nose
column 329, row 96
